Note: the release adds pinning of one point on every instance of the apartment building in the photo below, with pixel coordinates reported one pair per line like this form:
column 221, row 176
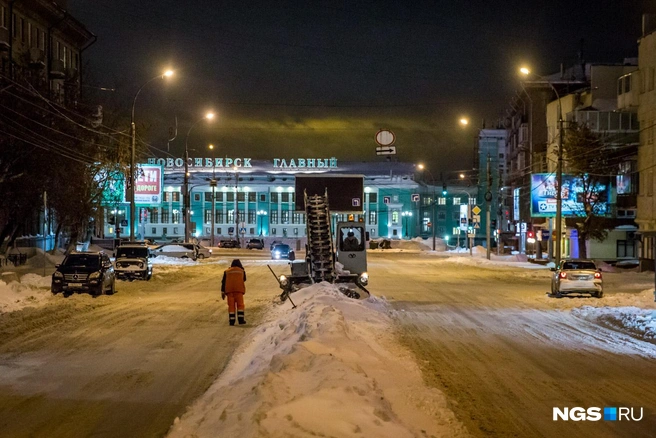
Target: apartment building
column 42, row 43
column 641, row 89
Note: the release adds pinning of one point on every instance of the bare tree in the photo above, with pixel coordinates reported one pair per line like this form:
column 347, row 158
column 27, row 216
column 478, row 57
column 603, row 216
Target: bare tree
column 590, row 166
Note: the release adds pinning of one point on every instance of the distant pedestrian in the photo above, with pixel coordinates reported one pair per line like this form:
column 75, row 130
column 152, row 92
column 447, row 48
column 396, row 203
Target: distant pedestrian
column 233, row 286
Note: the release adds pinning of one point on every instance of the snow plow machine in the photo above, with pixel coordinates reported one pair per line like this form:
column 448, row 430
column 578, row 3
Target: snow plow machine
column 340, row 259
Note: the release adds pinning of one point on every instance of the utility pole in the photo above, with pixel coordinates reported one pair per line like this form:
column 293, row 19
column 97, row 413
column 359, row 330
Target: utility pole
column 488, row 199
column 559, row 183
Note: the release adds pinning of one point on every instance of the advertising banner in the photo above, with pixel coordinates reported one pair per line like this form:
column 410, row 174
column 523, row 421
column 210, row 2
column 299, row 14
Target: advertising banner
column 148, row 189
column 543, row 196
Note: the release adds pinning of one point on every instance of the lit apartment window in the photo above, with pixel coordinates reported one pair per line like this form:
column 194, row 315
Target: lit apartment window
column 456, row 201
column 441, row 201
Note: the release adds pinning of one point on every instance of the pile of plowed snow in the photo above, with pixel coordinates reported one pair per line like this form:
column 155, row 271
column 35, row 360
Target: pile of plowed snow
column 330, row 367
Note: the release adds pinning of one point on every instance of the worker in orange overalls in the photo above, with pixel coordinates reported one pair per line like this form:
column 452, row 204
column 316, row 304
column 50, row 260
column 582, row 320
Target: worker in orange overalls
column 233, row 286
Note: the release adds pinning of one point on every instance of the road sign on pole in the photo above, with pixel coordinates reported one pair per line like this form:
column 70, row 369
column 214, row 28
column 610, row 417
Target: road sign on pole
column 386, row 150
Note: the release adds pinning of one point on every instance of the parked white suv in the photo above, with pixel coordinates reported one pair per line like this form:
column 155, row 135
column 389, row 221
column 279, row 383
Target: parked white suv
column 132, row 262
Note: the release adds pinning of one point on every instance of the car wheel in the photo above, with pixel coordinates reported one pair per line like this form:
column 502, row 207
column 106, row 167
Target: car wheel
column 201, row 256
column 55, row 291
column 112, row 288
column 98, row 292
column 557, row 293
column 599, row 294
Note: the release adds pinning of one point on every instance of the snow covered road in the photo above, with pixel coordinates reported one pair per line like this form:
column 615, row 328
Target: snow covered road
column 447, row 343
column 505, row 354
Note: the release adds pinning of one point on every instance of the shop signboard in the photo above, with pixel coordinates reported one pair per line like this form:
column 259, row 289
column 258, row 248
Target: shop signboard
column 148, row 189
column 543, row 195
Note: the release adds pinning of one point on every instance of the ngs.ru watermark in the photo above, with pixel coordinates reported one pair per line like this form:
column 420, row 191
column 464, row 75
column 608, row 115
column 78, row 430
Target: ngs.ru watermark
column 595, row 414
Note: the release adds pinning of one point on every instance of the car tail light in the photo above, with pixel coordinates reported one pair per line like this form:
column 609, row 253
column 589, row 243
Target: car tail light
column 598, row 275
column 563, row 275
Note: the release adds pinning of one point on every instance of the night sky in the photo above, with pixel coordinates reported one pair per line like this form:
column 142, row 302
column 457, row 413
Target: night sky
column 320, row 78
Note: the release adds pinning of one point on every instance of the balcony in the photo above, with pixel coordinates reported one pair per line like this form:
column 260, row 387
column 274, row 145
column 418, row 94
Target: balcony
column 37, row 58
column 57, row 70
column 606, row 121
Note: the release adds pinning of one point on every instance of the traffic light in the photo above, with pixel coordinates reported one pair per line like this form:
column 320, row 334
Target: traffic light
column 443, row 189
column 111, row 220
column 530, row 236
column 493, row 223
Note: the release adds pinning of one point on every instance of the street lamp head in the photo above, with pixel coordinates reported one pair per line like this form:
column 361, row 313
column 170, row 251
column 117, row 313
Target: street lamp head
column 420, row 166
column 525, row 71
column 211, row 146
column 462, row 176
column 167, row 73
column 209, row 116
column 464, row 121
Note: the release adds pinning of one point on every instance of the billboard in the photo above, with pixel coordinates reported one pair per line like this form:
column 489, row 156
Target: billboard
column 345, row 193
column 148, row 188
column 543, row 195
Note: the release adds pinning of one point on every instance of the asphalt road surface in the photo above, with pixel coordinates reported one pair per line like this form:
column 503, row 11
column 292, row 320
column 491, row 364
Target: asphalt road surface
column 505, row 355
column 127, row 365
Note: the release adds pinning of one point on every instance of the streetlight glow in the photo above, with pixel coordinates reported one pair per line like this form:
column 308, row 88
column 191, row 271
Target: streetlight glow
column 525, row 71
column 464, row 121
column 420, row 166
column 209, row 116
column 168, row 73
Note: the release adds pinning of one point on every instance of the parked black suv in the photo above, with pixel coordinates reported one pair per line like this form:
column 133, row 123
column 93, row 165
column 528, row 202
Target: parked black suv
column 255, row 244
column 133, row 262
column 229, row 244
column 91, row 272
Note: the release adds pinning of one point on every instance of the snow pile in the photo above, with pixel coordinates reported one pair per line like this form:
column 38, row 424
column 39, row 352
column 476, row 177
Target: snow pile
column 31, row 290
column 638, row 322
column 327, row 368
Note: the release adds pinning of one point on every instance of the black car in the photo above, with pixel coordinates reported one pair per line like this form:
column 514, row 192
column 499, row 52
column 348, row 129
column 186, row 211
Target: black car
column 229, row 244
column 91, row 272
column 255, row 244
column 282, row 251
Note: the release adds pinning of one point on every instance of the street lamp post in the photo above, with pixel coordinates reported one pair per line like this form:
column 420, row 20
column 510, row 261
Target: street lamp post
column 133, row 141
column 406, row 214
column 213, row 184
column 433, row 202
column 261, row 213
column 559, row 167
column 185, row 187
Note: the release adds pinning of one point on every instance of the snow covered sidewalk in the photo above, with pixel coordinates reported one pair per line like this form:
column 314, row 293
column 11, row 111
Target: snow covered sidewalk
column 330, row 367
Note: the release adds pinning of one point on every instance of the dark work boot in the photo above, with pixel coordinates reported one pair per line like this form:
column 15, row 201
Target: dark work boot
column 231, row 317
column 240, row 317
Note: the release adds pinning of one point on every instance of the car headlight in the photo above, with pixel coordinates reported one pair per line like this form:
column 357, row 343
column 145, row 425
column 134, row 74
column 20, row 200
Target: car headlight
column 58, row 274
column 364, row 279
column 94, row 275
column 284, row 281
